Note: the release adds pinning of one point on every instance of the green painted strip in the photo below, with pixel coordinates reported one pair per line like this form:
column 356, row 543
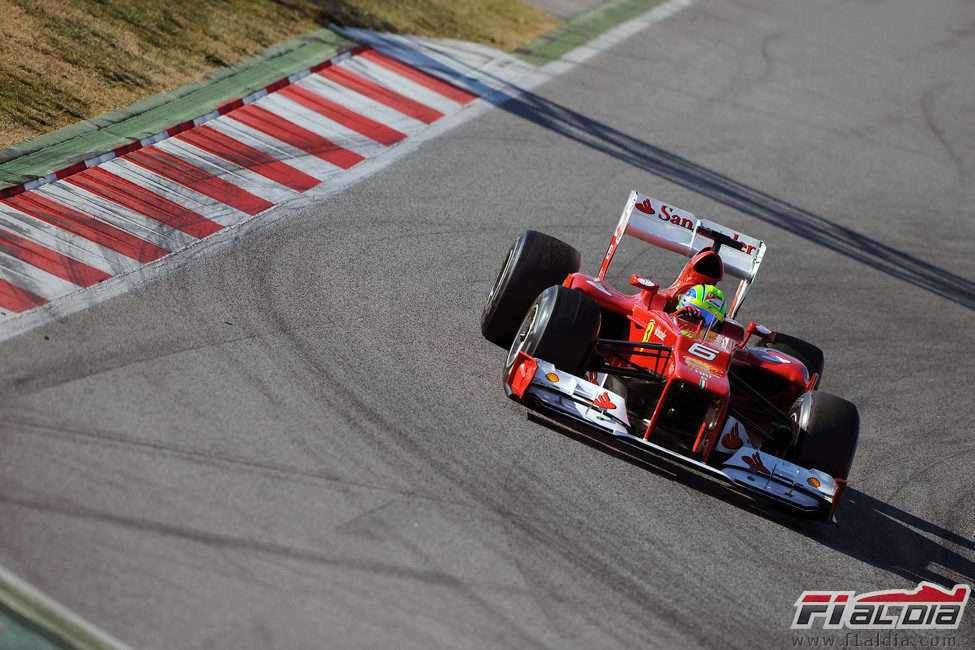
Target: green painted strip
column 35, row 158
column 29, row 624
column 582, row 28
column 16, row 633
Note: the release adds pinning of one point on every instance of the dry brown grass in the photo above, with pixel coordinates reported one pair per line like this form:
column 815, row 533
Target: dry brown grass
column 62, row 61
column 505, row 24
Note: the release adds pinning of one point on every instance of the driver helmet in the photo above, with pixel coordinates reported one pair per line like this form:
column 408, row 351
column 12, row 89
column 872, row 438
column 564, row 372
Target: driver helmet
column 708, row 300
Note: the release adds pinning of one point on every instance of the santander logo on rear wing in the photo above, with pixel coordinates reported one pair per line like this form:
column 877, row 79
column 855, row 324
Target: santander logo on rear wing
column 666, row 226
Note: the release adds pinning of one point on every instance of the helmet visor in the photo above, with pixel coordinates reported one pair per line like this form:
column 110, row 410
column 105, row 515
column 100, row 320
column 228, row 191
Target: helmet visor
column 711, row 314
column 710, row 320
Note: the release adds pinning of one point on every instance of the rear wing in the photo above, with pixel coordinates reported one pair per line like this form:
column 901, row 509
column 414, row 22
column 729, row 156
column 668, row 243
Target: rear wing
column 668, row 227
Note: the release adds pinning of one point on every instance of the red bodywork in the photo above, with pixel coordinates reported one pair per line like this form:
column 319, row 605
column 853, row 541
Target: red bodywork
column 693, row 404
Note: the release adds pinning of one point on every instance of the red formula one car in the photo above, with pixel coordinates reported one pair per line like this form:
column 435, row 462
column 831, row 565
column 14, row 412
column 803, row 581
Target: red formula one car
column 657, row 371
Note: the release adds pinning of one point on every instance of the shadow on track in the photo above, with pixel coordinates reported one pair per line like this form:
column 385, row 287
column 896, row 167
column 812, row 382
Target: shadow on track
column 898, row 541
column 729, row 192
column 676, row 169
column 870, row 530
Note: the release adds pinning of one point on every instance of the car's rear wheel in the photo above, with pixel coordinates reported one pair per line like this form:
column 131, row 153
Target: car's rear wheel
column 535, row 262
column 560, row 327
column 807, row 353
column 826, row 429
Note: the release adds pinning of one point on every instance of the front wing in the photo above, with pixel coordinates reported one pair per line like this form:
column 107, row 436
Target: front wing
column 541, row 384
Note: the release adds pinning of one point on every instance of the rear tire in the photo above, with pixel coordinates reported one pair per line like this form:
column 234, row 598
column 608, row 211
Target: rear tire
column 535, row 262
column 560, row 327
column 810, row 355
column 826, row 429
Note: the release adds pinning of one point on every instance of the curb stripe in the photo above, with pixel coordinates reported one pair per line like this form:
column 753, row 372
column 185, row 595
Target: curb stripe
column 222, row 109
column 386, row 78
column 338, row 134
column 440, row 86
column 51, row 261
column 238, row 153
column 358, row 123
column 381, row 94
column 37, row 281
column 82, row 225
column 116, row 215
column 260, row 141
column 196, row 179
column 260, row 186
column 135, row 198
column 214, row 210
column 267, row 122
column 56, row 239
column 13, row 298
column 363, row 105
column 102, row 218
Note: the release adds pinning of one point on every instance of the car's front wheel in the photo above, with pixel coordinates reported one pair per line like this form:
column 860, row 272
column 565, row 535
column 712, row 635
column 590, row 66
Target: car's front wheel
column 560, row 327
column 826, row 429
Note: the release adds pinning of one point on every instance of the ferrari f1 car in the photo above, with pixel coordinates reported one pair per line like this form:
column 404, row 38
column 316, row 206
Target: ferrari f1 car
column 638, row 367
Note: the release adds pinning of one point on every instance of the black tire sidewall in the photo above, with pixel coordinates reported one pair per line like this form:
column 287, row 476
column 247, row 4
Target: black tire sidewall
column 828, row 432
column 534, row 262
column 564, row 327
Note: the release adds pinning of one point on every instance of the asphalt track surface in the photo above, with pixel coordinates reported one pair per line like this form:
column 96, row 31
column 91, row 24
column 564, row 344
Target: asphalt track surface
column 302, row 441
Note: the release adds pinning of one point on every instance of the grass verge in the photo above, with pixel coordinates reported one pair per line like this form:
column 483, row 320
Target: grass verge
column 63, row 61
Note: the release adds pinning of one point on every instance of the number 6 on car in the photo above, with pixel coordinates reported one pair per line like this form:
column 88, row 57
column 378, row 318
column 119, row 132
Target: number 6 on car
column 703, row 351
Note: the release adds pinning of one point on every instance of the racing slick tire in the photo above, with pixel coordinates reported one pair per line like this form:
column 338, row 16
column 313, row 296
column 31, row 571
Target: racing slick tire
column 535, row 262
column 810, row 356
column 826, row 429
column 560, row 327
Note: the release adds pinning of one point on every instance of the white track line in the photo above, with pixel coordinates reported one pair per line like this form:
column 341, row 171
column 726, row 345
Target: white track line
column 60, row 610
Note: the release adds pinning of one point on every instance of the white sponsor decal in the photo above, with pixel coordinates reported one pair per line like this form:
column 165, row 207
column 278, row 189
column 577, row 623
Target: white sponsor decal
column 598, row 285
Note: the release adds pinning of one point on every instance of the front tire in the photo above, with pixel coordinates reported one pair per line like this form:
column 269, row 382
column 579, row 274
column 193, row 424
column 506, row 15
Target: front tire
column 826, row 429
column 535, row 262
column 560, row 327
